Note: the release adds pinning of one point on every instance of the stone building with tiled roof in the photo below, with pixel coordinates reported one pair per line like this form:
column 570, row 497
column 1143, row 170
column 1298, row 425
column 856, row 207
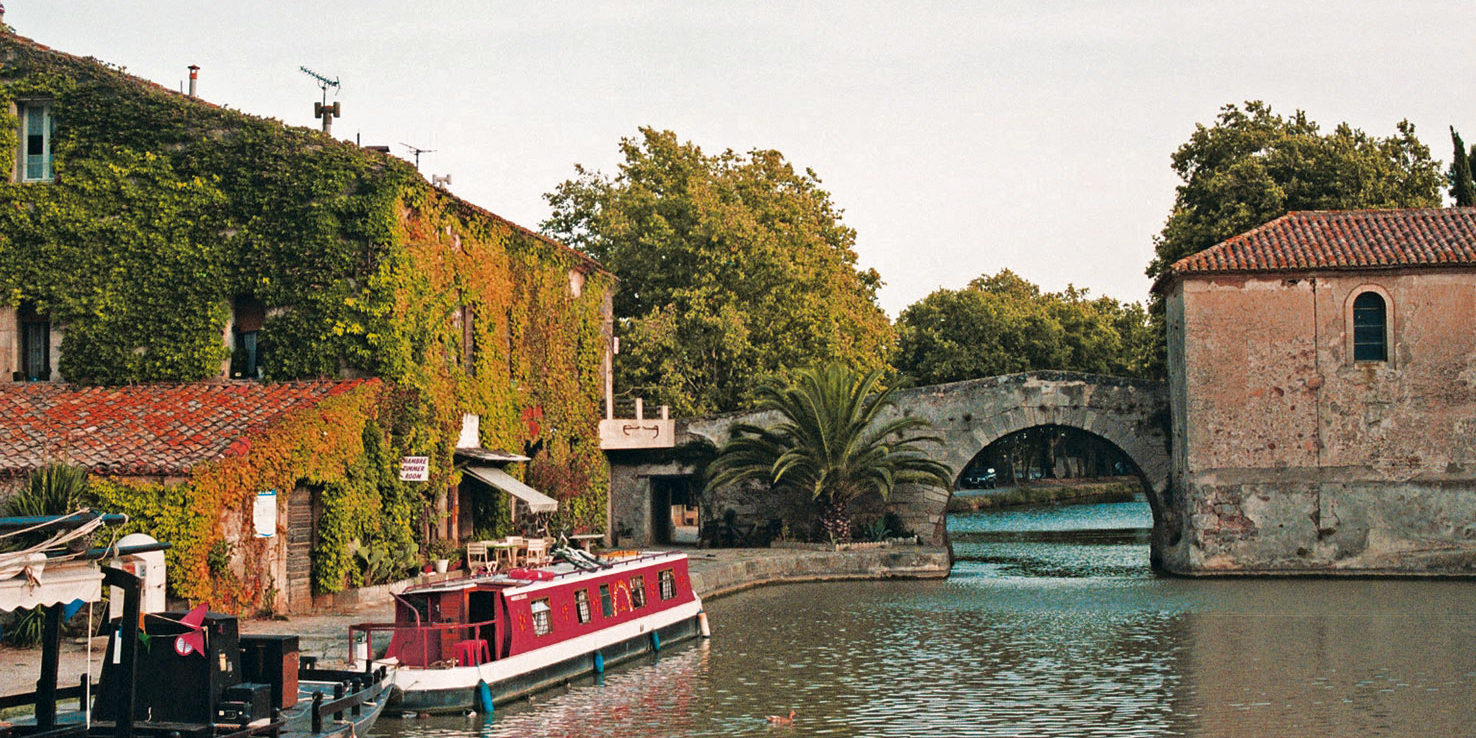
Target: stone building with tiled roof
column 1322, row 373
column 155, row 246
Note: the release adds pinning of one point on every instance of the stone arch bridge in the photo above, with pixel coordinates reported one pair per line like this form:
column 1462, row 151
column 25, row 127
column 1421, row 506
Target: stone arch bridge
column 1131, row 414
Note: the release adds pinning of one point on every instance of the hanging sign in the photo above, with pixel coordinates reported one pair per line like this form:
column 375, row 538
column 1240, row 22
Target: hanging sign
column 415, row 469
column 265, row 514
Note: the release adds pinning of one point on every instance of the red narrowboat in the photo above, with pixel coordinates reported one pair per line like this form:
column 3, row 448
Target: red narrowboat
column 527, row 629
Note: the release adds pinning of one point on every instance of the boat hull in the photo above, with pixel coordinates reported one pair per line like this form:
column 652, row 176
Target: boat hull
column 455, row 689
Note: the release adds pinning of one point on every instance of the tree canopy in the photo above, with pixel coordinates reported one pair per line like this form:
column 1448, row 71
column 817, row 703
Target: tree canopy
column 733, row 267
column 1253, row 165
column 1002, row 324
column 1462, row 188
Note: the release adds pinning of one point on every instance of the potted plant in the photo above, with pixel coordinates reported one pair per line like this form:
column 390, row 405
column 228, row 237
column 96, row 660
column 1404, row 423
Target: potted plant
column 441, row 550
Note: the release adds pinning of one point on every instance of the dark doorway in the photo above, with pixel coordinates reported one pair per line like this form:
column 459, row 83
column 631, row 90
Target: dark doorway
column 674, row 510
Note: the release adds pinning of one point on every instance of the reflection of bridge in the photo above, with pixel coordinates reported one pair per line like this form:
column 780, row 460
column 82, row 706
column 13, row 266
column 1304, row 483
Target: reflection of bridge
column 1131, row 414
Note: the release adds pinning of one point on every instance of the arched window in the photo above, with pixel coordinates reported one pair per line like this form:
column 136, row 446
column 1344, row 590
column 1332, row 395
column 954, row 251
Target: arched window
column 1370, row 328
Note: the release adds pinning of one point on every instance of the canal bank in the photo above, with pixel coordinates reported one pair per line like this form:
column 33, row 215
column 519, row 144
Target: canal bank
column 715, row 572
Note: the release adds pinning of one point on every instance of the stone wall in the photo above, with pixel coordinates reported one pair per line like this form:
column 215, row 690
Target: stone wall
column 1295, row 458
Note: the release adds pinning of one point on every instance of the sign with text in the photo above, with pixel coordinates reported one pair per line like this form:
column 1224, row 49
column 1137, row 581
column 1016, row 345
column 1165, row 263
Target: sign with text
column 415, row 469
column 264, row 514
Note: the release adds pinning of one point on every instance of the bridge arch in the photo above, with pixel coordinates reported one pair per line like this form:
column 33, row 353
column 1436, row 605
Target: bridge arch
column 970, row 415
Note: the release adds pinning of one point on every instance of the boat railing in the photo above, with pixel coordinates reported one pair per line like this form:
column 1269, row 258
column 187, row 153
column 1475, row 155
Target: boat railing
column 423, row 645
column 350, row 693
column 28, row 699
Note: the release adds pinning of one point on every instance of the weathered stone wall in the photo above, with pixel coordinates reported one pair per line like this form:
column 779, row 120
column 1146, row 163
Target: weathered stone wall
column 1293, row 457
column 968, row 415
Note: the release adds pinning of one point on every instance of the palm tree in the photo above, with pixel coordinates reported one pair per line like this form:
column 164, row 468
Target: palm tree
column 830, row 444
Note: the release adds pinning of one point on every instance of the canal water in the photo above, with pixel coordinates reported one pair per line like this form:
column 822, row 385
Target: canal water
column 1051, row 624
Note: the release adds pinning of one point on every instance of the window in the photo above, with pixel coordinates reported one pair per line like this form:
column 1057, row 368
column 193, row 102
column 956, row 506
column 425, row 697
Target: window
column 606, row 608
column 35, row 346
column 667, row 581
column 581, row 603
column 1370, row 324
column 542, row 618
column 637, row 592
column 249, row 315
column 36, row 129
column 469, row 340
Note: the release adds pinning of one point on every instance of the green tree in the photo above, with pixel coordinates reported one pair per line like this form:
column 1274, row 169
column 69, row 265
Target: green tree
column 733, row 267
column 1002, row 324
column 1253, row 165
column 1462, row 188
column 830, row 444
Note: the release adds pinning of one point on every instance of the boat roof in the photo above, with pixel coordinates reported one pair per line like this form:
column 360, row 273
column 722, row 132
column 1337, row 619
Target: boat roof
column 555, row 574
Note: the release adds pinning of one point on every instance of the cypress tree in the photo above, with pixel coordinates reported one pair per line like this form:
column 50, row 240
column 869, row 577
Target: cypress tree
column 1462, row 188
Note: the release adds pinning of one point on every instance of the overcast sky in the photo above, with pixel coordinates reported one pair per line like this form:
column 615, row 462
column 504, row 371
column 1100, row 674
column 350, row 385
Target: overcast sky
column 960, row 138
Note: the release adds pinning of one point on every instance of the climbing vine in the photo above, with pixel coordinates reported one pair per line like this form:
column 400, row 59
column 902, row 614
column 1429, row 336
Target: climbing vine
column 165, row 210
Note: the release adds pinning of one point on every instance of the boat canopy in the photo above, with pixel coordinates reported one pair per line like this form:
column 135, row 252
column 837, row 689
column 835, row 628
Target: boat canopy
column 537, row 501
column 35, row 581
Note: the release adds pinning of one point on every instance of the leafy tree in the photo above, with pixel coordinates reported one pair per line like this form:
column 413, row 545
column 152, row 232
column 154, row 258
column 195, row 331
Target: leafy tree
column 830, row 444
column 733, row 267
column 1462, row 188
column 1002, row 324
column 1253, row 165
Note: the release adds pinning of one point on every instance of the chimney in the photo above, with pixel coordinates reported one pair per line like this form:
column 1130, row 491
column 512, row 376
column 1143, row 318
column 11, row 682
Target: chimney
column 194, row 75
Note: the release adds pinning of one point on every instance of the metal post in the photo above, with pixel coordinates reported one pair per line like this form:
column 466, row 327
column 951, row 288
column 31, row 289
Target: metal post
column 132, row 588
column 338, row 695
column 317, row 712
column 50, row 657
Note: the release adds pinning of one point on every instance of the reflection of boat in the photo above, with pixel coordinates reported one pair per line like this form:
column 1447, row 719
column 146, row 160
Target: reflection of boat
column 528, row 629
column 184, row 675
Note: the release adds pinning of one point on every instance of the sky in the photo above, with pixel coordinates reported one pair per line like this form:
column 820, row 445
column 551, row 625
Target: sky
column 959, row 138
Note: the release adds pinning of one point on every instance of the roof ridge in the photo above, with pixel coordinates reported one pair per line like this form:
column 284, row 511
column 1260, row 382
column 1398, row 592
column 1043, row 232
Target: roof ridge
column 1370, row 238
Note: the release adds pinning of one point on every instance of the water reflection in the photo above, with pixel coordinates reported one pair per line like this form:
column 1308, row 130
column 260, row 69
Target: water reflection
column 1039, row 635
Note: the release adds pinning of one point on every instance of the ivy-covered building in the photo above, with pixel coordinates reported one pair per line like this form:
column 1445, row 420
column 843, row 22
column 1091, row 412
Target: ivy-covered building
column 147, row 236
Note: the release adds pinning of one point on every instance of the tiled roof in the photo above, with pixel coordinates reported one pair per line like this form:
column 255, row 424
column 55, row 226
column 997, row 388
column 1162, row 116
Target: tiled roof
column 1344, row 240
column 144, row 430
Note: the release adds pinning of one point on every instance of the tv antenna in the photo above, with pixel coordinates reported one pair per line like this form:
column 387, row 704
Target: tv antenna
column 323, row 109
column 417, row 151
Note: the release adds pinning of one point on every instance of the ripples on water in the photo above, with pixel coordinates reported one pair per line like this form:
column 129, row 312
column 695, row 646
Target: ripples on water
column 1039, row 633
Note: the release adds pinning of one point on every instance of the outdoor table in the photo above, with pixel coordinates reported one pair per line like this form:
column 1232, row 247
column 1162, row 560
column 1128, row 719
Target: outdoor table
column 586, row 539
column 509, row 548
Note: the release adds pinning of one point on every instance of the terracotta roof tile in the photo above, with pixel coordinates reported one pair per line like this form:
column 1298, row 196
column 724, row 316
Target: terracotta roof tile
column 1344, row 240
column 148, row 429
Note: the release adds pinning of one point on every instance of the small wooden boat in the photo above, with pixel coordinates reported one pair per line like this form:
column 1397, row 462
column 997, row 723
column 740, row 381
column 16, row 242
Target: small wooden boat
column 487, row 639
column 180, row 675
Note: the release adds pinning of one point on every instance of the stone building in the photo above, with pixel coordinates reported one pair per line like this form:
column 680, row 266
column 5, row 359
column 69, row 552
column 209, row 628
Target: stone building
column 1322, row 380
column 150, row 236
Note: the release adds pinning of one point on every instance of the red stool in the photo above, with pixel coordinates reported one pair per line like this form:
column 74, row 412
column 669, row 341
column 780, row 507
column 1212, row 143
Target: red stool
column 472, row 653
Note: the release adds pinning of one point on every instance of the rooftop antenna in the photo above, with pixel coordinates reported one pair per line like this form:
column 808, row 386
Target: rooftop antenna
column 417, row 151
column 323, row 109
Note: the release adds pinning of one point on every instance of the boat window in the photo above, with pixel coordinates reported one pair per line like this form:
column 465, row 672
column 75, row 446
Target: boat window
column 542, row 618
column 667, row 580
column 581, row 603
column 606, row 609
column 637, row 592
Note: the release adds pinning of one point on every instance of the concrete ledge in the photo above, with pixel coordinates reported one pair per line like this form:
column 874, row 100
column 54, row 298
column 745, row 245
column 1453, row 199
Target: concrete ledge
column 722, row 573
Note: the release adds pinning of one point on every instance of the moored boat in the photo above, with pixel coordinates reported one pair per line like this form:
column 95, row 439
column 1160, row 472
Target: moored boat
column 529, row 628
column 166, row 674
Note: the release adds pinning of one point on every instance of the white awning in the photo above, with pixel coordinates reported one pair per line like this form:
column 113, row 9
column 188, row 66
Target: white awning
column 537, row 501
column 54, row 583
